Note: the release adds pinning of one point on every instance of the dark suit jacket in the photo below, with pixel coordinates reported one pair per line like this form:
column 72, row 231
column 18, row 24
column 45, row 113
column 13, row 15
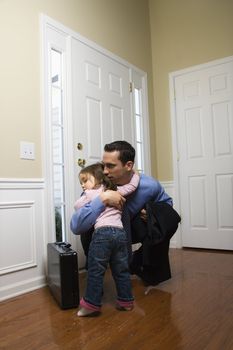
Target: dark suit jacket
column 151, row 261
column 162, row 222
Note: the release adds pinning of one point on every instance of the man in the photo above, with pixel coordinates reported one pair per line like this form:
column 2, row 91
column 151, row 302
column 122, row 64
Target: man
column 118, row 160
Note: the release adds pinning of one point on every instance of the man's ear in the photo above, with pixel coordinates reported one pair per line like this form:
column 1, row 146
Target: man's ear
column 129, row 165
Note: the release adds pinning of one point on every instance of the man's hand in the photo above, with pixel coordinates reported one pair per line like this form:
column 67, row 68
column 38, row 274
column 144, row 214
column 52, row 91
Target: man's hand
column 143, row 215
column 112, row 199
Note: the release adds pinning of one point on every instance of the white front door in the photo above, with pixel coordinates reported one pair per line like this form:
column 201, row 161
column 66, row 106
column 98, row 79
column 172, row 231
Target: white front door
column 88, row 103
column 101, row 105
column 204, row 123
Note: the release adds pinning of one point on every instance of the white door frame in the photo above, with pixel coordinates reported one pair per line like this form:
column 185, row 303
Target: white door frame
column 173, row 115
column 48, row 24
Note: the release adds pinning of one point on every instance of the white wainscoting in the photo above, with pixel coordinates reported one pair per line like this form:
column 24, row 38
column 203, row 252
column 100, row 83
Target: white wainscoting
column 175, row 241
column 22, row 236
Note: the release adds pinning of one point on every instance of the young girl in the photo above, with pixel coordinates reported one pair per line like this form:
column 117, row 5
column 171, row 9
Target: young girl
column 108, row 245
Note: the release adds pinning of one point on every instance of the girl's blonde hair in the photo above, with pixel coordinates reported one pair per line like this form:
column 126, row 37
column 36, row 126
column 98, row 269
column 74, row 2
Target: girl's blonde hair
column 97, row 171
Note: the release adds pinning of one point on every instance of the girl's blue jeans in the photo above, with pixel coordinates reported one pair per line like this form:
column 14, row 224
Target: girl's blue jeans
column 108, row 245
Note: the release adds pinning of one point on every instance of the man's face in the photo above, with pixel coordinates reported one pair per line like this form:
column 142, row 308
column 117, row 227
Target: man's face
column 118, row 173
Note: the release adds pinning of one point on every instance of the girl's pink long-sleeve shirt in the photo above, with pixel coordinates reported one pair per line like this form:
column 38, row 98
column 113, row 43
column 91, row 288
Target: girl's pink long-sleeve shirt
column 110, row 216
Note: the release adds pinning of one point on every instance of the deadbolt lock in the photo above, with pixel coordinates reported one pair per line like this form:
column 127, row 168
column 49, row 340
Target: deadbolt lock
column 79, row 146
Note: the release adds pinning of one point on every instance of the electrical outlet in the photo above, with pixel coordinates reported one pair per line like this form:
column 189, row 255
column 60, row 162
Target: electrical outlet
column 27, row 150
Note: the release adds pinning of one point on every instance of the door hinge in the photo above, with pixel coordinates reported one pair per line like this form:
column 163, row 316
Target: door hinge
column 130, row 87
column 174, row 94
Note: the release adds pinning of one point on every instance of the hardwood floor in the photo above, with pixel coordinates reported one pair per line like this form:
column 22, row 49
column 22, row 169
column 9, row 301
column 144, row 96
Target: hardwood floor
column 192, row 311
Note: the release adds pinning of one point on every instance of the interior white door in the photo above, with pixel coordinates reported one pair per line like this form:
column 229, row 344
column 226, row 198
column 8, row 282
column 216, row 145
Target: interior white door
column 101, row 104
column 204, row 117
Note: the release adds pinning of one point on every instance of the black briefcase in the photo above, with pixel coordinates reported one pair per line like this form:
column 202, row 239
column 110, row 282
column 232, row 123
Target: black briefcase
column 62, row 276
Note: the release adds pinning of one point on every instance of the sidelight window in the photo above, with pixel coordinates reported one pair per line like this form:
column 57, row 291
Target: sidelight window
column 57, row 143
column 138, row 129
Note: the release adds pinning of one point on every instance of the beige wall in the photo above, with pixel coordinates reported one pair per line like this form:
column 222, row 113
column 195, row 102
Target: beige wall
column 184, row 33
column 121, row 26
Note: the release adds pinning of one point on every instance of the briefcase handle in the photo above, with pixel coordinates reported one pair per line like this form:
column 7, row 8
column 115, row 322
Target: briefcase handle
column 63, row 244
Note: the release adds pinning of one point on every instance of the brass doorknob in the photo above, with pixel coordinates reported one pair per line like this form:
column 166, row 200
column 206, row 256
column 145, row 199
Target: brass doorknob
column 81, row 162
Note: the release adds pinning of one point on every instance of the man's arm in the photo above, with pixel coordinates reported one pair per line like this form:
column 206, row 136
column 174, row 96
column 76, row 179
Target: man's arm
column 80, row 202
column 129, row 188
column 149, row 189
column 83, row 219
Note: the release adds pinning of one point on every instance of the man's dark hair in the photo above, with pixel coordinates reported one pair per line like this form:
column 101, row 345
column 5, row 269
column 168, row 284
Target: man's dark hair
column 127, row 152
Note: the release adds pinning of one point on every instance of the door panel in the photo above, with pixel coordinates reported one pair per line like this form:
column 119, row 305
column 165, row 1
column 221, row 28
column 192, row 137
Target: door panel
column 204, row 117
column 101, row 101
column 101, row 104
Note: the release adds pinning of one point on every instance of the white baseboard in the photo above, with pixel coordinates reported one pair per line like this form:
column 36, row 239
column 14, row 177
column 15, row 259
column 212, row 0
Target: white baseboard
column 16, row 289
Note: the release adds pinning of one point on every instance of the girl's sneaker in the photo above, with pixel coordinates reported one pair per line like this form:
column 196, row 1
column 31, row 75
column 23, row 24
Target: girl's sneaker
column 83, row 312
column 124, row 308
